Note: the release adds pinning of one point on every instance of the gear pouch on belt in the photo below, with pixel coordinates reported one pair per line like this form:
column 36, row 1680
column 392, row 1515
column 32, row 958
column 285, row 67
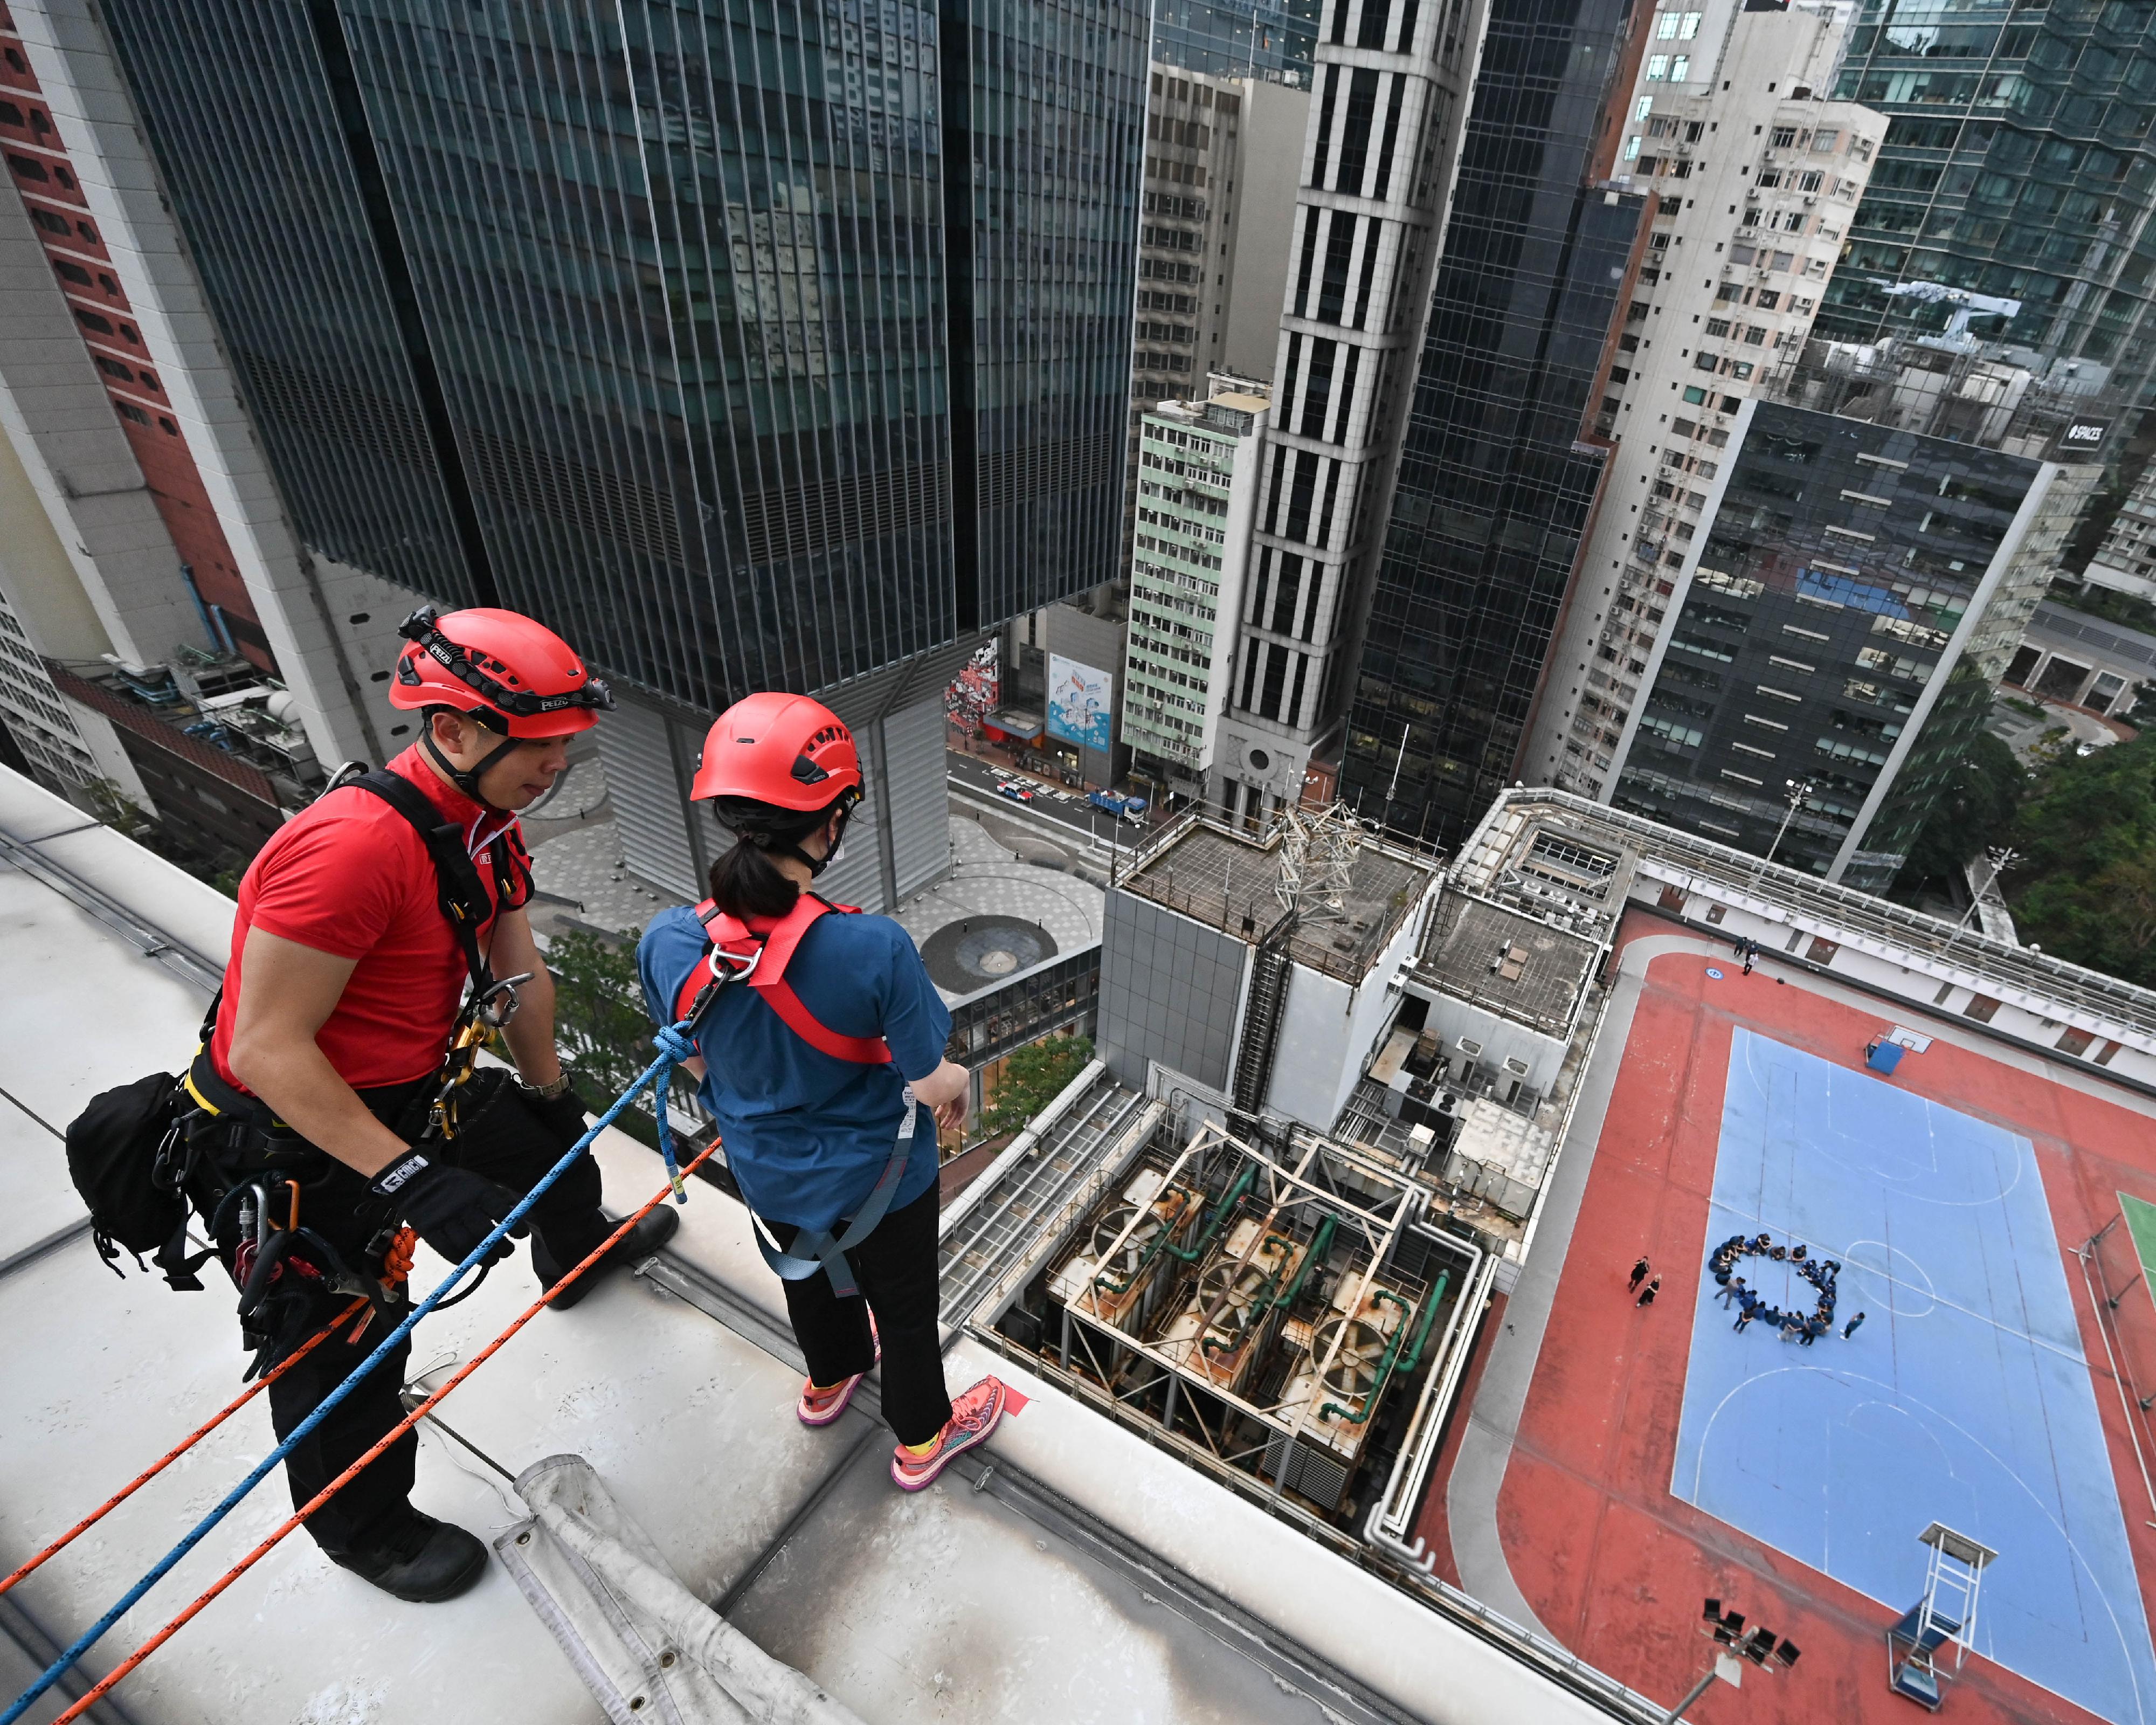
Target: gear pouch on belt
column 126, row 1157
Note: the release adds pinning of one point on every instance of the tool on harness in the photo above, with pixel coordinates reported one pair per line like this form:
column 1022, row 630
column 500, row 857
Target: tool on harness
column 274, row 1309
column 757, row 951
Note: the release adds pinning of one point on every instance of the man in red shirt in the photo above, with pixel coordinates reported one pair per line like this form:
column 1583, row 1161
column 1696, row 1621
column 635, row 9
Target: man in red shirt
column 320, row 1081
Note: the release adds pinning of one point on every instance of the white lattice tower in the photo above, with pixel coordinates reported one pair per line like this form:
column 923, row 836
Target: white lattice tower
column 1317, row 861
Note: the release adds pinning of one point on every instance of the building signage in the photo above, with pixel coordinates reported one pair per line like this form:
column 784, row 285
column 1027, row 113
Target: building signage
column 1079, row 697
column 2081, row 440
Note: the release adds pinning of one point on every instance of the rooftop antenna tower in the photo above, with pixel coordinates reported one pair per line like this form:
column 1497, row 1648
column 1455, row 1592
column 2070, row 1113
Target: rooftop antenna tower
column 1317, row 861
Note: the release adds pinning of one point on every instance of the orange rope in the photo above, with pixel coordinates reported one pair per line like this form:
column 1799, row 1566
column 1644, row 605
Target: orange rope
column 105, row 1684
column 187, row 1443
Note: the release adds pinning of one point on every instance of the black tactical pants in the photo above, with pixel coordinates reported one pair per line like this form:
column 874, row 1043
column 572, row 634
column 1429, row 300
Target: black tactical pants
column 501, row 1139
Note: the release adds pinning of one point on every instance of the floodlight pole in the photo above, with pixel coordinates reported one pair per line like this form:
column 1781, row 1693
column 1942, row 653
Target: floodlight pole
column 1698, row 1689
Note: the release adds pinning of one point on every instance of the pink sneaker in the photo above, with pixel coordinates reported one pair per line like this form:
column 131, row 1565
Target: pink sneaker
column 820, row 1407
column 974, row 1416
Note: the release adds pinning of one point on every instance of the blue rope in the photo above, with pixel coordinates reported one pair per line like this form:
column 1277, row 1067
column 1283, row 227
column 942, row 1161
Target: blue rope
column 669, row 1041
column 674, row 1042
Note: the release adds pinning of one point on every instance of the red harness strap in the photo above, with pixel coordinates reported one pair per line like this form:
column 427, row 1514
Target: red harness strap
column 779, row 937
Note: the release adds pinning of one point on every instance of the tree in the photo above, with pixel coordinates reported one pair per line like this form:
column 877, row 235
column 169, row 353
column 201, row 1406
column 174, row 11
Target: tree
column 600, row 1022
column 1031, row 1078
column 2087, row 889
column 1977, row 806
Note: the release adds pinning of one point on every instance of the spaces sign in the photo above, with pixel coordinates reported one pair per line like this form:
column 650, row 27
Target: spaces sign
column 2081, row 440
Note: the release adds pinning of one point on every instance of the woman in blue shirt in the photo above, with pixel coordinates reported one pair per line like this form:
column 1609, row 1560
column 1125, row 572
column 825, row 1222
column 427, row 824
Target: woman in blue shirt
column 822, row 1061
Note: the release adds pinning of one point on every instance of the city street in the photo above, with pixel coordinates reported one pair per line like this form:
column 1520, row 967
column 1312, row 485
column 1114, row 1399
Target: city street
column 1052, row 806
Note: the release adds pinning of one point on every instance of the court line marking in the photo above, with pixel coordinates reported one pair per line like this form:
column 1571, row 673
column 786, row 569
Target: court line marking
column 1937, row 1299
column 2073, row 1550
column 1931, row 1108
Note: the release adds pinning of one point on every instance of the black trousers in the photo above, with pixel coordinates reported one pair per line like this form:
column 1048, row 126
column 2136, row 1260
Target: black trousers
column 501, row 1139
column 895, row 1270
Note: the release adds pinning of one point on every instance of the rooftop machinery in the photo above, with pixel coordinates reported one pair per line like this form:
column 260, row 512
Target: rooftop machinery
column 1264, row 1309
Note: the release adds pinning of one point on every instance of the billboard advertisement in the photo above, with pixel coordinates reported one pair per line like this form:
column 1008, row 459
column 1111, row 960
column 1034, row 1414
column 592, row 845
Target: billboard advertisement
column 1079, row 698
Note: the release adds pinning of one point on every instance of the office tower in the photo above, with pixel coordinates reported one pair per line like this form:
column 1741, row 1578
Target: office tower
column 1222, row 158
column 1751, row 189
column 750, row 349
column 1198, row 493
column 1861, row 591
column 1268, row 41
column 1496, row 484
column 1385, row 136
column 2013, row 191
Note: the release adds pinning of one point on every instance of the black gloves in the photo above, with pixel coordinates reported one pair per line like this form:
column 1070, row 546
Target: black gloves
column 453, row 1210
column 563, row 1116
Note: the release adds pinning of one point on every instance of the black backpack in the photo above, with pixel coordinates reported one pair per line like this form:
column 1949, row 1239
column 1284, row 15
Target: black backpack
column 127, row 1155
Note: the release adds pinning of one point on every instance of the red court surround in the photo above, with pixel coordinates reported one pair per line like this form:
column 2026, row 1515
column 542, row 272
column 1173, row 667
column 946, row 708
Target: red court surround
column 1613, row 1565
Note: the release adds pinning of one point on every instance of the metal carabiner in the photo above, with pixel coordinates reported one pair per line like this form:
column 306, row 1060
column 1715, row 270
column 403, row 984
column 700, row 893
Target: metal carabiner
column 489, row 1009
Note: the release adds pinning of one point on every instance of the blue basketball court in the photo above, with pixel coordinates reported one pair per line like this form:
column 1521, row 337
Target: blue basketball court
column 1963, row 1397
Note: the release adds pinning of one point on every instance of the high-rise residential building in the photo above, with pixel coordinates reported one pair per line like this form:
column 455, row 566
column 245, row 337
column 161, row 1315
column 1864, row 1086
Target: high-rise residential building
column 2015, row 194
column 160, row 604
column 1858, row 586
column 1499, row 474
column 1221, row 156
column 2126, row 561
column 1383, row 147
column 1268, row 41
column 750, row 349
column 1198, row 493
column 1751, row 189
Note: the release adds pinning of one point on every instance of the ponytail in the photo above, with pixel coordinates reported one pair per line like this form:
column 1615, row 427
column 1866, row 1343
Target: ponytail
column 746, row 882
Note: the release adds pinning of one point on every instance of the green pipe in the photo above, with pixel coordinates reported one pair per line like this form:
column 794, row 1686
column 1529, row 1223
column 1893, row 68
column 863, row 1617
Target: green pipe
column 1106, row 1280
column 1236, row 1194
column 1393, row 1351
column 1320, row 1244
column 1422, row 1330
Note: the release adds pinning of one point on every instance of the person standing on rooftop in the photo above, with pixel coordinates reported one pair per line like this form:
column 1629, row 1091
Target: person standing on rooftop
column 337, row 1088
column 821, row 1057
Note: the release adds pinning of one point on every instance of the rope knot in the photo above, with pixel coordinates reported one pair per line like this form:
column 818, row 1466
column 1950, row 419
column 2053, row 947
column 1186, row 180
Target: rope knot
column 673, row 1041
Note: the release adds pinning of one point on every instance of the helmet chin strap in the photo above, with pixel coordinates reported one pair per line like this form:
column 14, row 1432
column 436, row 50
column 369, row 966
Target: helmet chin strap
column 788, row 847
column 466, row 781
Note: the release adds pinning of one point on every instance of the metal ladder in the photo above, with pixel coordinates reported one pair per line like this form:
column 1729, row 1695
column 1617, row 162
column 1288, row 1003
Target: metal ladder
column 1946, row 1613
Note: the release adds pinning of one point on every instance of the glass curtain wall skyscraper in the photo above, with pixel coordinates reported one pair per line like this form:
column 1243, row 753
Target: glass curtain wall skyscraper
column 2019, row 169
column 1495, row 484
column 753, row 346
column 1271, row 40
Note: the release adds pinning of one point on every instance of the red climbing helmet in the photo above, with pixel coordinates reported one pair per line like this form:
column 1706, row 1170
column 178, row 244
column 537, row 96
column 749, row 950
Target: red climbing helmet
column 783, row 750
column 514, row 676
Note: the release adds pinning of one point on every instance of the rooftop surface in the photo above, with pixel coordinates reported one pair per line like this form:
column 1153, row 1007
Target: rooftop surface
column 1231, row 883
column 1513, row 963
column 1079, row 1575
column 1618, row 1465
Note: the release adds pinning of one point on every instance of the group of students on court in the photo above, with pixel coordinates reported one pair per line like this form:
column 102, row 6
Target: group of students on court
column 1795, row 1326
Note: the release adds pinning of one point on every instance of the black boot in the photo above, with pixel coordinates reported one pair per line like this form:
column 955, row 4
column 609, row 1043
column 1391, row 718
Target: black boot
column 639, row 1243
column 411, row 1556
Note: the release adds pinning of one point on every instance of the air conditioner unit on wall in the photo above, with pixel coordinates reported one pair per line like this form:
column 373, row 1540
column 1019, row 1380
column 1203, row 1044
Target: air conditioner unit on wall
column 1473, row 1050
